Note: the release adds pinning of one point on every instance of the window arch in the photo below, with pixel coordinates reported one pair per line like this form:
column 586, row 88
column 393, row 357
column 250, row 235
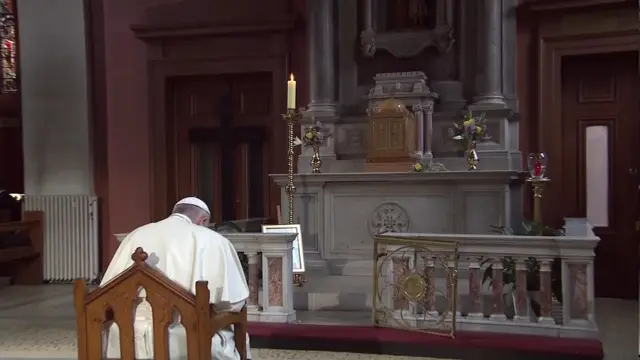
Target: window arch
column 8, row 47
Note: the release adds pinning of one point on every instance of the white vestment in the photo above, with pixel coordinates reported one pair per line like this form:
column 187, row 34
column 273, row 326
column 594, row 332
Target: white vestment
column 185, row 253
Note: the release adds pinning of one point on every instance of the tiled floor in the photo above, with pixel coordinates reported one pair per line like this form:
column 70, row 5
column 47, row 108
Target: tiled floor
column 38, row 322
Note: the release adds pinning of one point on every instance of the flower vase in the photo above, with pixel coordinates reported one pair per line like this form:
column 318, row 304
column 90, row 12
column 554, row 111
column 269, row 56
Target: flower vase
column 315, row 162
column 472, row 155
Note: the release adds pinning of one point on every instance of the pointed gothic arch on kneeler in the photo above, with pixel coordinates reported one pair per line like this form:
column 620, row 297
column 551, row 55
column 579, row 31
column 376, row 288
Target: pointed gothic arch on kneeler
column 115, row 302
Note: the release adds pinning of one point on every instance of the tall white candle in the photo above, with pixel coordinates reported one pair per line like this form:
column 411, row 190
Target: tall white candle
column 291, row 93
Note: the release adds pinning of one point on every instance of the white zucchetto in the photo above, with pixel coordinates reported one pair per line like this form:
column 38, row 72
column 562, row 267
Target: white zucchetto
column 192, row 200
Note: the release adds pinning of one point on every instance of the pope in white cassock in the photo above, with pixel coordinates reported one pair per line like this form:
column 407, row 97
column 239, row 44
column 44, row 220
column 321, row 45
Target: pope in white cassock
column 186, row 251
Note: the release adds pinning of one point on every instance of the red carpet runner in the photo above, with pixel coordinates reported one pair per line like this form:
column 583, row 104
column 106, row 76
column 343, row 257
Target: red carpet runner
column 466, row 346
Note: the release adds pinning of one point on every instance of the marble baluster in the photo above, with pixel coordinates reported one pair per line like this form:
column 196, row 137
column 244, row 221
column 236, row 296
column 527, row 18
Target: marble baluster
column 490, row 43
column 521, row 304
column 253, row 281
column 452, row 289
column 430, row 296
column 475, row 289
column 497, row 289
column 428, row 123
column 546, row 294
column 400, row 269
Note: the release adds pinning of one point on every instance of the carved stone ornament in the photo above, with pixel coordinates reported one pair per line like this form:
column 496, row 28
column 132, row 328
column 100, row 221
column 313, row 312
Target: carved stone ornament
column 405, row 44
column 388, row 217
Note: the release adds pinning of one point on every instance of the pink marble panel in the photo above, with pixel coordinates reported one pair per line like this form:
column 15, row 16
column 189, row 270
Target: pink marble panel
column 254, row 284
column 579, row 297
column 275, row 281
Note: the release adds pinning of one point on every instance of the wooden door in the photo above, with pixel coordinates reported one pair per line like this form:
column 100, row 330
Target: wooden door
column 601, row 143
column 222, row 149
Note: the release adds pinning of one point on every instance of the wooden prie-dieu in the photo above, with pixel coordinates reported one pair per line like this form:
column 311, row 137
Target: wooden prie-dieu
column 116, row 302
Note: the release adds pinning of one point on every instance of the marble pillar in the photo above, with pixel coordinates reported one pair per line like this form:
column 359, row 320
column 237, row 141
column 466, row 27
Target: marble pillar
column 322, row 80
column 322, row 72
column 489, row 84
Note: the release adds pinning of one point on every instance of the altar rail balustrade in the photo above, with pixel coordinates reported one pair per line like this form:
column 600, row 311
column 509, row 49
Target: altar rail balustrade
column 268, row 255
column 484, row 304
column 271, row 256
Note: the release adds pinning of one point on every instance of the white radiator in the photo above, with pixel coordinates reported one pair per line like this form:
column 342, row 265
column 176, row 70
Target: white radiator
column 70, row 235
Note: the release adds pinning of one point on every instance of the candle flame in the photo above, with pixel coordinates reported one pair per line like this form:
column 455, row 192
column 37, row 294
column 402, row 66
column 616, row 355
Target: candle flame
column 291, row 77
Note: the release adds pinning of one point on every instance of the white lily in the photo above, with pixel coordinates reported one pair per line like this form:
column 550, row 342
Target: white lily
column 297, row 141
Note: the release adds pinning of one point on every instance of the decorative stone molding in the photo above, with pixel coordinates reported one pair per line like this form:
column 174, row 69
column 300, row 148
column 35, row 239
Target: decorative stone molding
column 388, row 217
column 409, row 43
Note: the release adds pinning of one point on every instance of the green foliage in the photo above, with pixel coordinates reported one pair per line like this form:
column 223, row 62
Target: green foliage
column 528, row 228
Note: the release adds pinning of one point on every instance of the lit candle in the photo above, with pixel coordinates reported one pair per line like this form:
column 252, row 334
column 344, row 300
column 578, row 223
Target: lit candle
column 291, row 93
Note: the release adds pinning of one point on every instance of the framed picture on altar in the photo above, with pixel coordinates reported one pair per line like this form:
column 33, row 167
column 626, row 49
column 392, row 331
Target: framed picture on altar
column 297, row 251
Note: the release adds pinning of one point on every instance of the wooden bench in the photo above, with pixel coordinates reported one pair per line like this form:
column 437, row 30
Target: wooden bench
column 115, row 302
column 21, row 249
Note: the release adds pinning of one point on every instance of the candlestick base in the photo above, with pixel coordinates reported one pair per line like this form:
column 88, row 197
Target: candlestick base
column 299, row 280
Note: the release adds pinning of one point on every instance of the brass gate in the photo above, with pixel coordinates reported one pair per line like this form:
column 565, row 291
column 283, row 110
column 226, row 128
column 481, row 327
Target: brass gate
column 415, row 284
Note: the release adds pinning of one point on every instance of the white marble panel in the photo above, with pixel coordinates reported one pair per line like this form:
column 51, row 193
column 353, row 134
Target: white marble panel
column 482, row 209
column 351, row 214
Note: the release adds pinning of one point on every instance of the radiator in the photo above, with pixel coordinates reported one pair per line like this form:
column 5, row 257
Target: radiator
column 70, row 236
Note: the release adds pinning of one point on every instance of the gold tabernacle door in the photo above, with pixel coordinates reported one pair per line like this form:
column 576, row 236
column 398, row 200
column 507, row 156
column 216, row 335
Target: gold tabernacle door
column 415, row 284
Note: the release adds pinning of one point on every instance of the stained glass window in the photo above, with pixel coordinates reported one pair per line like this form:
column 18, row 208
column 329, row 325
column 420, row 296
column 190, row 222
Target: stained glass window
column 8, row 48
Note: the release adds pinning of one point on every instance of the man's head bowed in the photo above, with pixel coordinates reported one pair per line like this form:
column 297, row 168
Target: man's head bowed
column 195, row 209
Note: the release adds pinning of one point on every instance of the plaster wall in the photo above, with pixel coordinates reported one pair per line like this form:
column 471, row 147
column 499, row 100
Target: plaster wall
column 55, row 106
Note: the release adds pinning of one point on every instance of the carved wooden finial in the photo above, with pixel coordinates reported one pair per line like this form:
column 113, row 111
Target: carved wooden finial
column 139, row 256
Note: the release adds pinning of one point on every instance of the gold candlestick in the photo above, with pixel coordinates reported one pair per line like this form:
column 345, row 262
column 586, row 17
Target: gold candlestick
column 292, row 117
column 316, row 162
column 537, row 183
column 537, row 164
column 472, row 156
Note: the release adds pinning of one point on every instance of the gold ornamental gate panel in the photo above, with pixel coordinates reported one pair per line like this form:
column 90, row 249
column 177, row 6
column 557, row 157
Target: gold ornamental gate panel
column 415, row 284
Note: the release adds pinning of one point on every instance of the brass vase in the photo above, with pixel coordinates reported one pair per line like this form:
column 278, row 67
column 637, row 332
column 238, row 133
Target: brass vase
column 315, row 162
column 472, row 155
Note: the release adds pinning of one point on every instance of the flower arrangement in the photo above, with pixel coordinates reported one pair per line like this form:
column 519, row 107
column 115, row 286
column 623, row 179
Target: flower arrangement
column 472, row 128
column 315, row 134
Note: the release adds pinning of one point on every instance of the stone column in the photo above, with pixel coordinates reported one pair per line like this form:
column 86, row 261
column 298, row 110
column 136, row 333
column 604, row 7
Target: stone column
column 322, row 72
column 489, row 84
column 322, row 84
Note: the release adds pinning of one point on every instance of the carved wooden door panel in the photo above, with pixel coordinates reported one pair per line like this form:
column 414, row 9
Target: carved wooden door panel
column 600, row 162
